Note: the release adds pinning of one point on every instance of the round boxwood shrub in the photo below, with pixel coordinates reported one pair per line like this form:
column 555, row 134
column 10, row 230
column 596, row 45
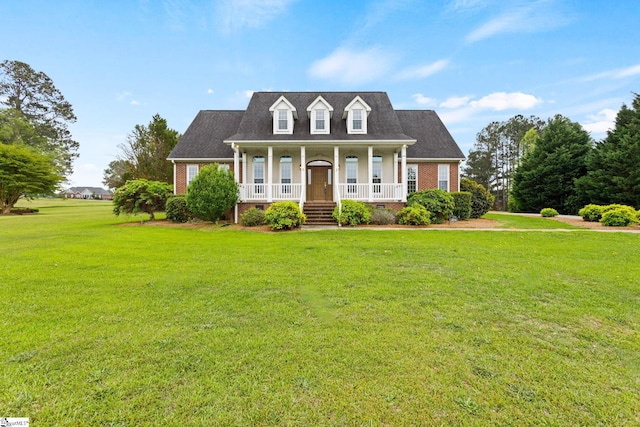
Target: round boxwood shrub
column 462, row 205
column 352, row 213
column 591, row 213
column 438, row 202
column 284, row 216
column 177, row 210
column 619, row 217
column 481, row 199
column 253, row 217
column 383, row 217
column 414, row 215
column 548, row 212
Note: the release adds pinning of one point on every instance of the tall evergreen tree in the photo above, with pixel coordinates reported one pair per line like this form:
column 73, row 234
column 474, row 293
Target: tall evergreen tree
column 545, row 177
column 613, row 168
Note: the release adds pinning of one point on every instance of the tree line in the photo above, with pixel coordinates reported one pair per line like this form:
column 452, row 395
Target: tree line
column 529, row 164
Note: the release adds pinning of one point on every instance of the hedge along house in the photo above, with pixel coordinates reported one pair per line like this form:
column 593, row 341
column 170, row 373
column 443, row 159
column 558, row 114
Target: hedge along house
column 319, row 148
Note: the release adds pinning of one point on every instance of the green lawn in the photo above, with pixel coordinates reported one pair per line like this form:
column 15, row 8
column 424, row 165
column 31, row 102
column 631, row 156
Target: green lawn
column 116, row 325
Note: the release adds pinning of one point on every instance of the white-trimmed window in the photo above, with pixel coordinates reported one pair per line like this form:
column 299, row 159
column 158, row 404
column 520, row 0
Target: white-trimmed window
column 258, row 174
column 320, row 121
column 192, row 172
column 443, row 177
column 356, row 114
column 377, row 174
column 285, row 173
column 352, row 174
column 224, row 167
column 357, row 120
column 283, row 113
column 412, row 179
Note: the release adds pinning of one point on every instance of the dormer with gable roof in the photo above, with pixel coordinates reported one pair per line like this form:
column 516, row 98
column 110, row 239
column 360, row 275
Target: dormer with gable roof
column 320, row 113
column 283, row 113
column 356, row 113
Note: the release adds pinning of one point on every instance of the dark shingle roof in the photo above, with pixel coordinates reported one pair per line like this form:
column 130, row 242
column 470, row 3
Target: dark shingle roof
column 433, row 139
column 257, row 123
column 204, row 137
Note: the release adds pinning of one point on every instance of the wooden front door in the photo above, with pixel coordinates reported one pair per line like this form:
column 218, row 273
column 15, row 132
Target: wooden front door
column 320, row 183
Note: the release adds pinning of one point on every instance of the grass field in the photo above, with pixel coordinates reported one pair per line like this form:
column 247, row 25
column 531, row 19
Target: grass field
column 116, row 325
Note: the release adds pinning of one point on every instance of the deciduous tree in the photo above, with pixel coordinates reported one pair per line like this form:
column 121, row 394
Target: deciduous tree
column 35, row 96
column 24, row 173
column 141, row 195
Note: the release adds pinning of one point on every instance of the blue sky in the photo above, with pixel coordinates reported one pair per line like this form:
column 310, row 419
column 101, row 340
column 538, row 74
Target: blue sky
column 119, row 62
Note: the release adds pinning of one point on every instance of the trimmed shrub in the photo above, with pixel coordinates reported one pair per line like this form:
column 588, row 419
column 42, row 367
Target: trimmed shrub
column 141, row 195
column 353, row 213
column 383, row 217
column 438, row 202
column 177, row 210
column 481, row 199
column 548, row 212
column 253, row 217
column 212, row 192
column 591, row 213
column 620, row 216
column 284, row 216
column 414, row 215
column 462, row 205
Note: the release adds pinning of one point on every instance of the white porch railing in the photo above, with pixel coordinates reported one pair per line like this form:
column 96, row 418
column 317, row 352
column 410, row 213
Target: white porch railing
column 278, row 191
column 366, row 192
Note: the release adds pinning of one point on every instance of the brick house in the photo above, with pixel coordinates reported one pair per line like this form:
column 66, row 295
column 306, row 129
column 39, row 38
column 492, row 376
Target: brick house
column 318, row 148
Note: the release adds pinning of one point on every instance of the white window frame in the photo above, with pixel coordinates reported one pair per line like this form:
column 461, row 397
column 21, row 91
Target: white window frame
column 320, row 106
column 192, row 172
column 281, row 108
column 258, row 174
column 316, row 120
column 351, row 174
column 286, row 173
column 376, row 173
column 411, row 180
column 357, row 104
column 283, row 119
column 443, row 176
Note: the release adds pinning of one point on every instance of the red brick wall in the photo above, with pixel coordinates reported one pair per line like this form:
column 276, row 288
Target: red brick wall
column 428, row 175
column 181, row 173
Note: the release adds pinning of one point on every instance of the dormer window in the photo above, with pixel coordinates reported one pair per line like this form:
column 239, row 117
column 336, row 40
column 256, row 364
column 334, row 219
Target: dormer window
column 283, row 113
column 356, row 114
column 319, row 113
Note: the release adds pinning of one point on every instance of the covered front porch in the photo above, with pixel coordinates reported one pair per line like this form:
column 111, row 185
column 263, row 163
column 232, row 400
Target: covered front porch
column 321, row 173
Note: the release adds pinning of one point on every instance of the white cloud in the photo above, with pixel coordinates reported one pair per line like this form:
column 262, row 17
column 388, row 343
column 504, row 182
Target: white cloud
column 351, row 67
column 124, row 95
column 248, row 93
column 541, row 15
column 134, row 102
column 424, row 70
column 210, row 91
column 616, row 74
column 499, row 101
column 455, row 102
column 235, row 15
column 601, row 122
column 423, row 100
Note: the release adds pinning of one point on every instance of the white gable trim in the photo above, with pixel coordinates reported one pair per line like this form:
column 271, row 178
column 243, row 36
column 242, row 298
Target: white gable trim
column 320, row 107
column 356, row 113
column 282, row 110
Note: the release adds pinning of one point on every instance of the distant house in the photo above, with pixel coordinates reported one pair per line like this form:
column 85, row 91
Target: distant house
column 95, row 193
column 319, row 148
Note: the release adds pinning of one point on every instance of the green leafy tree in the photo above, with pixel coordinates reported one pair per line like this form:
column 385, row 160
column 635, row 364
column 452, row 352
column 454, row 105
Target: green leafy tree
column 117, row 173
column 497, row 152
column 546, row 176
column 24, row 173
column 212, row 193
column 613, row 171
column 141, row 195
column 144, row 155
column 37, row 99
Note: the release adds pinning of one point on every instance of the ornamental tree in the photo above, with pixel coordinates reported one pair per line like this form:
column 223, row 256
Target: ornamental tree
column 212, row 192
column 24, row 173
column 141, row 195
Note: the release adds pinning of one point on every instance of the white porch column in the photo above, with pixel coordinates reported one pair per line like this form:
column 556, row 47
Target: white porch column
column 175, row 180
column 395, row 168
column 403, row 165
column 244, row 168
column 236, row 164
column 370, row 171
column 336, row 173
column 269, row 174
column 303, row 174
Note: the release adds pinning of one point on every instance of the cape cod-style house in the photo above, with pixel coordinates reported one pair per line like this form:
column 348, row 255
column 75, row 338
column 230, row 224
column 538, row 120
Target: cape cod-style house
column 319, row 148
